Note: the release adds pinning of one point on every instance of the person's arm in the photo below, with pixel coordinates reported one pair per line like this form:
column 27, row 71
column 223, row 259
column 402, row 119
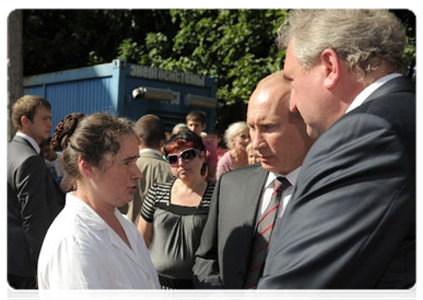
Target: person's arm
column 146, row 219
column 146, row 230
column 32, row 196
column 352, row 215
column 223, row 166
column 206, row 269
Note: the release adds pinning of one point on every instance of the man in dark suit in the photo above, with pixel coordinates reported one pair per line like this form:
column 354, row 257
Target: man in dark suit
column 33, row 197
column 225, row 258
column 351, row 221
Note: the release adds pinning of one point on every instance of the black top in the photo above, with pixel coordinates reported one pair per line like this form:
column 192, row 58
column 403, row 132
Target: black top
column 177, row 230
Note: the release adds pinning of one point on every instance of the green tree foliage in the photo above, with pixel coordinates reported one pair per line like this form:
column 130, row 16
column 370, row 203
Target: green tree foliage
column 56, row 40
column 235, row 46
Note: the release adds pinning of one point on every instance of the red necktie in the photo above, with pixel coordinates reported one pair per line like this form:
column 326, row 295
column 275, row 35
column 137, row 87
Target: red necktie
column 263, row 233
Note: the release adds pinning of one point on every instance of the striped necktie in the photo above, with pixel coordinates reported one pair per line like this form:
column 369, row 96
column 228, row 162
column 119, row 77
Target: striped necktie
column 263, row 233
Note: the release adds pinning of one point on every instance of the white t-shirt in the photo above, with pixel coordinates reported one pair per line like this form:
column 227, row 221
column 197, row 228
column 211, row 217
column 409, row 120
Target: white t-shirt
column 81, row 251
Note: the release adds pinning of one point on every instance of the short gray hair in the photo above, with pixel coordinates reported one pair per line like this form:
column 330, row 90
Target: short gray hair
column 233, row 130
column 363, row 38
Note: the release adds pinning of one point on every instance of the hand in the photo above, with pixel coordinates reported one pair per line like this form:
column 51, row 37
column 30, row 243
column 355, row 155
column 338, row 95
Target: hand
column 217, row 296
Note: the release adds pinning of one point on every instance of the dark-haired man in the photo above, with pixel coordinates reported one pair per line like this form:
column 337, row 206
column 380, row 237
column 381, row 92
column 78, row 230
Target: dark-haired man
column 153, row 167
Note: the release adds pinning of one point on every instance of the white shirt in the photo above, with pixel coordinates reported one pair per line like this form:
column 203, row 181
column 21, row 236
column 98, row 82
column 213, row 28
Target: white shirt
column 30, row 140
column 81, row 251
column 286, row 194
column 362, row 97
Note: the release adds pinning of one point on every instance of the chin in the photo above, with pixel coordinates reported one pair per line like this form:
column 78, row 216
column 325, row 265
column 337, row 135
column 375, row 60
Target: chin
column 267, row 167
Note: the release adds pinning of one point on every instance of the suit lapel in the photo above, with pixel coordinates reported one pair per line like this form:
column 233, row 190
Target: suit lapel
column 258, row 180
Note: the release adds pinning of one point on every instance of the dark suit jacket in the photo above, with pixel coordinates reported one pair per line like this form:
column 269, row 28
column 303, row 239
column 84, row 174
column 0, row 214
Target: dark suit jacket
column 350, row 223
column 33, row 201
column 224, row 253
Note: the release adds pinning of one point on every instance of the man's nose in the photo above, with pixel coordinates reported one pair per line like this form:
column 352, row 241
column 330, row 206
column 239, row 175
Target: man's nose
column 293, row 102
column 257, row 140
column 137, row 173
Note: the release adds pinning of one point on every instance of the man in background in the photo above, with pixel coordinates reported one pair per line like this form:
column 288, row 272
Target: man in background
column 153, row 167
column 33, row 197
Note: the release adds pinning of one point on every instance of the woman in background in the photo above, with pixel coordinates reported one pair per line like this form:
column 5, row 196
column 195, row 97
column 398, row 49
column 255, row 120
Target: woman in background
column 216, row 138
column 90, row 245
column 173, row 214
column 237, row 137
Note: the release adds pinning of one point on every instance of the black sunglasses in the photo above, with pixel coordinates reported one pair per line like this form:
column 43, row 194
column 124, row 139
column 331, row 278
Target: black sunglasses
column 186, row 155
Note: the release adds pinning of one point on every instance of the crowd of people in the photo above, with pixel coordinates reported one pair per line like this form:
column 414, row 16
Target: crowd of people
column 316, row 189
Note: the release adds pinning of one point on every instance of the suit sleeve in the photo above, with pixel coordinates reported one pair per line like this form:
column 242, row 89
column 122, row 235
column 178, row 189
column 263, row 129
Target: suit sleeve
column 206, row 268
column 32, row 195
column 352, row 210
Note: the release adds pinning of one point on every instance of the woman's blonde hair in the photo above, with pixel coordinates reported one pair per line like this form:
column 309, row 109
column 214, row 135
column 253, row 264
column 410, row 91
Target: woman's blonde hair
column 233, row 130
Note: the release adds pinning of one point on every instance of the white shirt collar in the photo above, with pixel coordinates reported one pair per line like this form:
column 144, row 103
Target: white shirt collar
column 151, row 151
column 291, row 177
column 363, row 96
column 30, row 140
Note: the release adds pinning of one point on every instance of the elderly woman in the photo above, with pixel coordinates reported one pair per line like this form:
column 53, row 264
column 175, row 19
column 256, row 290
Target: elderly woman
column 90, row 245
column 237, row 137
column 173, row 214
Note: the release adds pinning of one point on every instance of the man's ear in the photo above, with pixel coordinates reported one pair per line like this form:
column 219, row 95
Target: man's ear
column 331, row 66
column 25, row 121
column 85, row 168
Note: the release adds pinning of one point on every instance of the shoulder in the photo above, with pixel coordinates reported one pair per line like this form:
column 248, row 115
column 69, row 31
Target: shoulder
column 246, row 171
column 159, row 191
column 226, row 158
column 243, row 176
column 150, row 161
column 68, row 233
column 209, row 190
column 20, row 150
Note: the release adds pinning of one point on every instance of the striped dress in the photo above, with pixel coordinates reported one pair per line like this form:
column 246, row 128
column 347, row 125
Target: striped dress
column 176, row 233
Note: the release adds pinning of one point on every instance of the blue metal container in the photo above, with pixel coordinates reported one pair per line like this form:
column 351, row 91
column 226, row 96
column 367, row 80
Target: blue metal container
column 127, row 90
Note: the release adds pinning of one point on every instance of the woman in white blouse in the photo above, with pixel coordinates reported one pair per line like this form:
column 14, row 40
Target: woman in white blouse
column 91, row 245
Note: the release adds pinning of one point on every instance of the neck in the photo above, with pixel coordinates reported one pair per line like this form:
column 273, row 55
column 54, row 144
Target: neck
column 104, row 211
column 30, row 135
column 193, row 185
column 239, row 154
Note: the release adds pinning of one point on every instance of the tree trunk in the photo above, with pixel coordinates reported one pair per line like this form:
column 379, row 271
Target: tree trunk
column 14, row 65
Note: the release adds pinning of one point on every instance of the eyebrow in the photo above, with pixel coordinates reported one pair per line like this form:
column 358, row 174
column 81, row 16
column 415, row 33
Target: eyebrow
column 130, row 158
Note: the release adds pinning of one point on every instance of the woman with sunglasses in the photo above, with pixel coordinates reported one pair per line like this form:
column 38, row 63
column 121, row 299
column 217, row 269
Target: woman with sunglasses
column 173, row 214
